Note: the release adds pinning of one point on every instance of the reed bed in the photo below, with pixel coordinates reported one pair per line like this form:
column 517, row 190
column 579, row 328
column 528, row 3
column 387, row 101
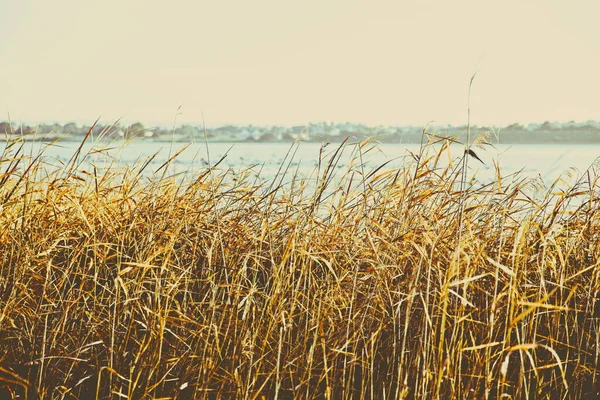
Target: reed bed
column 365, row 282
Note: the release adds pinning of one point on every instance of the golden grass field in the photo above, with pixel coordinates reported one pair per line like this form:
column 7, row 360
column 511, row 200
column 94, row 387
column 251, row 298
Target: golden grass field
column 412, row 283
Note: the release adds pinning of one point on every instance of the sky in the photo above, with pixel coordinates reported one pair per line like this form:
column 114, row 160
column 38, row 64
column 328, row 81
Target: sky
column 268, row 62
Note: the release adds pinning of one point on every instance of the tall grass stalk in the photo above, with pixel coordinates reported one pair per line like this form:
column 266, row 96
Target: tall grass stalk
column 116, row 281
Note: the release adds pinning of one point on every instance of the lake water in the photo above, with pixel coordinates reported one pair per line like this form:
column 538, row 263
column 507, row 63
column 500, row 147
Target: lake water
column 549, row 161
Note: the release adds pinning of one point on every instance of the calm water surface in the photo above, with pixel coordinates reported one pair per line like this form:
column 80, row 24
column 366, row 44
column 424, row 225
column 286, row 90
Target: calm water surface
column 549, row 161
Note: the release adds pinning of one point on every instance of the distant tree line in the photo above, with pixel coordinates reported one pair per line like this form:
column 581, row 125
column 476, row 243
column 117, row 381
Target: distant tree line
column 547, row 132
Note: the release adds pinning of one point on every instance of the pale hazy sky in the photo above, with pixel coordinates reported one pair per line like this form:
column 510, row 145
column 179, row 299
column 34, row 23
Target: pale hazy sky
column 283, row 62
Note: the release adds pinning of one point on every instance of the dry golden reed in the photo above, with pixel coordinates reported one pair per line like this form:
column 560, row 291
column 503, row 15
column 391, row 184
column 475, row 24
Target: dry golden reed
column 365, row 282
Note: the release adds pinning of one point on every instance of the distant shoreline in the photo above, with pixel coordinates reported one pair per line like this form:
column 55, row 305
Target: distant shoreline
column 568, row 133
